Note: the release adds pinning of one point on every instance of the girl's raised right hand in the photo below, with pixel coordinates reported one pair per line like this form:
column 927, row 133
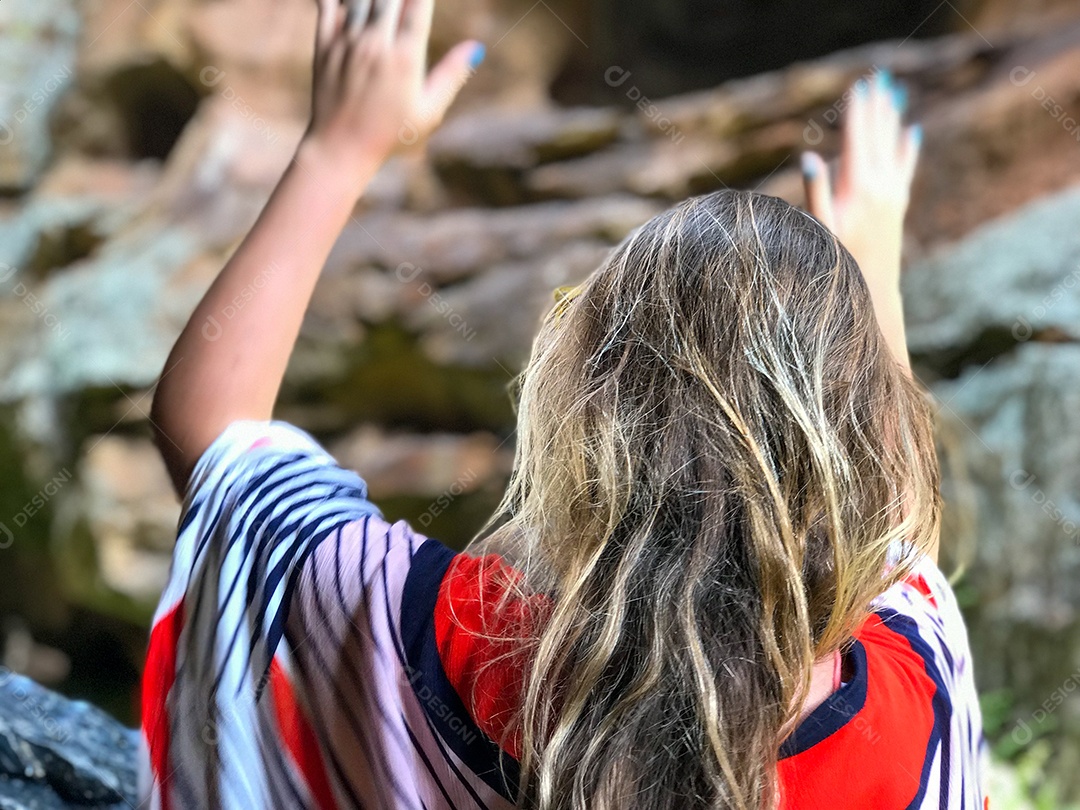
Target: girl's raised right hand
column 372, row 93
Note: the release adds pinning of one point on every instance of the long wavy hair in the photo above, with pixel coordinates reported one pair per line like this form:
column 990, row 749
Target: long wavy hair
column 719, row 465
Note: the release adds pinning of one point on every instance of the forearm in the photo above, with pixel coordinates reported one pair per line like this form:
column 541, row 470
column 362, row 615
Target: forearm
column 889, row 310
column 879, row 260
column 229, row 361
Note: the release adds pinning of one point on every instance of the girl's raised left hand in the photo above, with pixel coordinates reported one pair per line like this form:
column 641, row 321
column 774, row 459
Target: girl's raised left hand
column 866, row 210
column 371, row 92
column 877, row 165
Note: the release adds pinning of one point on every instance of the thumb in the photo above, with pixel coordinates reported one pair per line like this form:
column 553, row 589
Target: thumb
column 819, row 195
column 447, row 78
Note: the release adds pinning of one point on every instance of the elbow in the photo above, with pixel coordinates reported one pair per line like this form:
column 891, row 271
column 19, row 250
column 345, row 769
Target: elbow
column 159, row 420
column 164, row 429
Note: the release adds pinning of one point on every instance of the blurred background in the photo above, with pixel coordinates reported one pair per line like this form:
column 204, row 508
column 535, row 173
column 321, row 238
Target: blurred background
column 139, row 139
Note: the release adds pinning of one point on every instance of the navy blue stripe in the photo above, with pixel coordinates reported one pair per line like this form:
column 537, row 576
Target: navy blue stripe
column 323, row 724
column 190, row 515
column 196, row 599
column 244, row 495
column 237, row 509
column 269, row 741
column 308, row 540
column 365, row 595
column 467, row 783
column 401, row 657
column 419, row 747
column 321, row 728
column 253, row 578
column 835, row 711
column 253, row 493
column 362, row 645
column 354, row 506
column 248, row 514
column 481, row 754
column 942, row 704
column 203, row 583
column 372, row 749
column 366, row 599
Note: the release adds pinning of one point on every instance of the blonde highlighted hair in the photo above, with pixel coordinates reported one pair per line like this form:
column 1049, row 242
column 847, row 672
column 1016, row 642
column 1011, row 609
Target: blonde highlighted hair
column 719, row 465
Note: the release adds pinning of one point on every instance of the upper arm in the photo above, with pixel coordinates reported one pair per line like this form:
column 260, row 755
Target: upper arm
column 261, row 499
column 925, row 603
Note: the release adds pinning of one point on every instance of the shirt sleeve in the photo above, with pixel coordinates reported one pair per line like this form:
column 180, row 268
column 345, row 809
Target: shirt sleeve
column 222, row 695
column 260, row 500
column 928, row 606
column 284, row 612
column 922, row 608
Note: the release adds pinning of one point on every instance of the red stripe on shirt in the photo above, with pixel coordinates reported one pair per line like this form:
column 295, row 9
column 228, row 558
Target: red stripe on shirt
column 299, row 738
column 918, row 582
column 158, row 678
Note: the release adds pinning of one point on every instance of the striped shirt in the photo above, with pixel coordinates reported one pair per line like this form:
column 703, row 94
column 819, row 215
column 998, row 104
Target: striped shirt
column 308, row 654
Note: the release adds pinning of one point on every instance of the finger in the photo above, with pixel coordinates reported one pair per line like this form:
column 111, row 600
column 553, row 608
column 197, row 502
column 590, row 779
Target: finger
column 900, row 103
column 326, row 26
column 448, row 77
column 416, row 16
column 910, row 148
column 852, row 137
column 819, row 196
column 358, row 16
column 884, row 120
column 385, row 20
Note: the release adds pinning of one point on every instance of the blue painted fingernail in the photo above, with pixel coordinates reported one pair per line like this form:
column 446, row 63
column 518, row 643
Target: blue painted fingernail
column 884, row 77
column 916, row 134
column 478, row 55
column 809, row 166
column 900, row 97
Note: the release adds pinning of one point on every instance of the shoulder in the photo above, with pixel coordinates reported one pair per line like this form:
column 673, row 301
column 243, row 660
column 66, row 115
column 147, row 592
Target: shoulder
column 905, row 731
column 921, row 613
column 465, row 626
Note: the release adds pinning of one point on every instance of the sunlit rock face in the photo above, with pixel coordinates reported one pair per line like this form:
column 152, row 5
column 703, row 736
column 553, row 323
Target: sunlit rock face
column 144, row 139
column 37, row 63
